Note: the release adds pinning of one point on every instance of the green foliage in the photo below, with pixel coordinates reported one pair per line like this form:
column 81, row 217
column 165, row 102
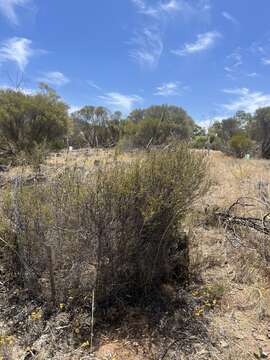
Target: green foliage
column 198, row 131
column 95, row 127
column 260, row 130
column 29, row 120
column 116, row 229
column 232, row 135
column 252, row 128
column 200, row 142
column 240, row 144
column 98, row 127
column 216, row 143
column 156, row 125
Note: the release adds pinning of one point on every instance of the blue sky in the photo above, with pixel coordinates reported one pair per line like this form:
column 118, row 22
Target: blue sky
column 212, row 57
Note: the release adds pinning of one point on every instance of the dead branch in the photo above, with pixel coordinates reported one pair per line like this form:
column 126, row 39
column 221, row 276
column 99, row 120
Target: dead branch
column 230, row 220
column 248, row 222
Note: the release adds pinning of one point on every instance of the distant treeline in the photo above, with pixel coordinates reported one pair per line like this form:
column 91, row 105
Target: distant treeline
column 33, row 124
column 238, row 135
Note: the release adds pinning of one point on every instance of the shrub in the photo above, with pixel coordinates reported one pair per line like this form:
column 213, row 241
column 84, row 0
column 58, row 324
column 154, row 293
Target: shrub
column 200, row 142
column 240, row 144
column 30, row 120
column 151, row 131
column 116, row 230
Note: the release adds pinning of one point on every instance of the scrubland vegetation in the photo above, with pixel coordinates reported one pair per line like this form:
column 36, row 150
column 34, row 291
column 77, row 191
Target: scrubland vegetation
column 143, row 242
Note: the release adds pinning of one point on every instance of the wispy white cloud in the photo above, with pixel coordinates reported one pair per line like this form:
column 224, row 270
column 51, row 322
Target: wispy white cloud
column 246, row 100
column 54, row 78
column 143, row 8
column 148, row 43
column 185, row 8
column 17, row 50
column 204, row 41
column 148, row 47
column 229, row 17
column 8, row 9
column 171, row 6
column 253, row 74
column 234, row 61
column 266, row 61
column 170, row 89
column 237, row 64
column 261, row 49
column 120, row 101
column 161, row 8
column 93, row 85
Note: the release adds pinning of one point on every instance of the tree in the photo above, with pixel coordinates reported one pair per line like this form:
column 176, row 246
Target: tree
column 156, row 124
column 260, row 130
column 95, row 126
column 136, row 115
column 30, row 120
column 240, row 144
column 174, row 115
column 198, row 131
column 222, row 132
column 244, row 119
column 229, row 127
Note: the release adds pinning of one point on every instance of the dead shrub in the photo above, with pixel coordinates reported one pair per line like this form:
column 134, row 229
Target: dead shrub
column 115, row 229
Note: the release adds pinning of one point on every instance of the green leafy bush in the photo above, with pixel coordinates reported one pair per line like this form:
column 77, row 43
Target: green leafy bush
column 200, row 142
column 240, row 144
column 27, row 121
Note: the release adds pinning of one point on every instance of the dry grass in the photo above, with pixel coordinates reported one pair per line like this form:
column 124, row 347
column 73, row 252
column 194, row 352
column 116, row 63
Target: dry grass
column 238, row 323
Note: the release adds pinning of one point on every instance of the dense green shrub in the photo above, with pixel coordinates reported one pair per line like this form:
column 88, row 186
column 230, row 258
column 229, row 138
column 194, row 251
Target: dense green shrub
column 156, row 125
column 240, row 144
column 116, row 230
column 151, row 131
column 30, row 120
column 200, row 142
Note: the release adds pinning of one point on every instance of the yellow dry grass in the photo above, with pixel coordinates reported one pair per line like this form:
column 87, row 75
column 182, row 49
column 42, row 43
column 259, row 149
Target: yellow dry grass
column 239, row 325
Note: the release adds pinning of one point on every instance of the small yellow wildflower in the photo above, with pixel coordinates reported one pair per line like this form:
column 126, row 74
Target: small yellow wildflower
column 36, row 315
column 85, row 344
column 199, row 312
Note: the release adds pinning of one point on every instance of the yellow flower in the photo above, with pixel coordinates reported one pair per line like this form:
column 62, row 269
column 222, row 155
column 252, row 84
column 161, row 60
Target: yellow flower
column 36, row 315
column 199, row 312
column 85, row 344
column 62, row 306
